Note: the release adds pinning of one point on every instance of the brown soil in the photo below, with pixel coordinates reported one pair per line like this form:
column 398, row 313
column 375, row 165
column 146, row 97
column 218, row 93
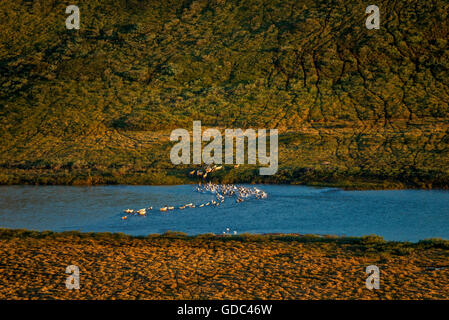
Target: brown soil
column 32, row 266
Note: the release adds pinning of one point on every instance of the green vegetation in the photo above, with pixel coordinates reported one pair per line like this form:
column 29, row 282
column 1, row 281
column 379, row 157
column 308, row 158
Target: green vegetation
column 355, row 108
column 375, row 242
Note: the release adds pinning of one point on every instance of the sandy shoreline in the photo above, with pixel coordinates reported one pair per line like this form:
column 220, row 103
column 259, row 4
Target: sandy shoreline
column 116, row 266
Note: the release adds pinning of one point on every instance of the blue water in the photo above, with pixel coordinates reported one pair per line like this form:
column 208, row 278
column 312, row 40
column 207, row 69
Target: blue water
column 409, row 215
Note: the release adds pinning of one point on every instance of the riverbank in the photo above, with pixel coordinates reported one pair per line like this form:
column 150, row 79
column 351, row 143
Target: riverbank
column 298, row 176
column 176, row 266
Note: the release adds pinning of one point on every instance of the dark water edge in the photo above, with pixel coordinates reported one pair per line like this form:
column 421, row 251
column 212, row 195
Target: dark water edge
column 426, row 180
column 348, row 185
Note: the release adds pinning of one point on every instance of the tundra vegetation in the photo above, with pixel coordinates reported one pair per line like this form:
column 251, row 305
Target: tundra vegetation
column 176, row 266
column 354, row 107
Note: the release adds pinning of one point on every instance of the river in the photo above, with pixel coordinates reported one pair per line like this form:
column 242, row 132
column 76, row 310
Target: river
column 405, row 215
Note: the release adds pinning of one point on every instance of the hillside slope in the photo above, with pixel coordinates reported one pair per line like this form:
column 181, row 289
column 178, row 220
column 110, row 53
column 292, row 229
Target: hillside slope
column 354, row 107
